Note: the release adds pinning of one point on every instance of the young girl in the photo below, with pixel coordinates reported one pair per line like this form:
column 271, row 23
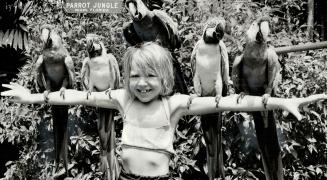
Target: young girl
column 150, row 115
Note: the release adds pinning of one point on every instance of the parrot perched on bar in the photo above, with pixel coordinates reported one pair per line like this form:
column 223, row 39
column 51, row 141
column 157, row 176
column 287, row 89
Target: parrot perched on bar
column 257, row 72
column 100, row 72
column 151, row 24
column 210, row 67
column 55, row 72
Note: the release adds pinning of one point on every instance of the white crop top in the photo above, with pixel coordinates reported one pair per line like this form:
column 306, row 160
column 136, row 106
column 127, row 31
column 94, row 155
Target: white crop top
column 157, row 137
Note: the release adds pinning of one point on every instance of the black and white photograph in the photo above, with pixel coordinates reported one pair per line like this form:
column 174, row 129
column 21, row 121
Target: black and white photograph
column 163, row 90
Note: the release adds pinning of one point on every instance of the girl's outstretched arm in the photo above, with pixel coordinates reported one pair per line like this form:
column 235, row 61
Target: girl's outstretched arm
column 21, row 94
column 205, row 105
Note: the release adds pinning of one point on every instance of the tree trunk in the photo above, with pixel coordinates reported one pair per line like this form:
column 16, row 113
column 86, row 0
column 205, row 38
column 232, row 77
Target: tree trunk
column 310, row 19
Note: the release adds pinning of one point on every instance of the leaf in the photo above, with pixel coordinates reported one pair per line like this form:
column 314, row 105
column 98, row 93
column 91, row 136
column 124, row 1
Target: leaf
column 180, row 134
column 95, row 152
column 20, row 40
column 285, row 113
column 228, row 153
column 318, row 171
column 25, row 45
column 23, row 27
column 15, row 43
column 316, row 114
column 296, row 176
column 1, row 36
column 306, row 108
column 8, row 38
column 196, row 150
column 312, row 148
column 311, row 168
column 293, row 152
column 312, row 140
column 27, row 8
column 185, row 18
column 23, row 128
column 8, row 163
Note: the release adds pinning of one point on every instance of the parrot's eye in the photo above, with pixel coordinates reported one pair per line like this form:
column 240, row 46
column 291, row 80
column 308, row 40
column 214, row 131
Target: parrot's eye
column 134, row 76
column 152, row 75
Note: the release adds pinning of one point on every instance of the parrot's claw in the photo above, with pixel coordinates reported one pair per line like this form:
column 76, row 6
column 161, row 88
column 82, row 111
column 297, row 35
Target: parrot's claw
column 45, row 95
column 217, row 99
column 62, row 92
column 190, row 99
column 108, row 93
column 240, row 97
column 88, row 94
column 265, row 98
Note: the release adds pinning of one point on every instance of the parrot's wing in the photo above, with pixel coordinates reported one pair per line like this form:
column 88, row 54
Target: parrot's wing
column 130, row 34
column 193, row 58
column 85, row 73
column 274, row 68
column 39, row 76
column 236, row 73
column 71, row 72
column 170, row 37
column 196, row 79
column 114, row 70
column 225, row 62
column 224, row 67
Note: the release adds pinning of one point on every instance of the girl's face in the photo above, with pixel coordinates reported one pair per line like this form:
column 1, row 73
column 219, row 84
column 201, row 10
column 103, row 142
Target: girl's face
column 146, row 86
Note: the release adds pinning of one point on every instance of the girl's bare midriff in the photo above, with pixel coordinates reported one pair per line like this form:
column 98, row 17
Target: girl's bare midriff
column 145, row 162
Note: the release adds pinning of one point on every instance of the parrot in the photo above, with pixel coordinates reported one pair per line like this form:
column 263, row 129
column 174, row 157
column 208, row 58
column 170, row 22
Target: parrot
column 210, row 67
column 257, row 72
column 149, row 23
column 100, row 72
column 55, row 72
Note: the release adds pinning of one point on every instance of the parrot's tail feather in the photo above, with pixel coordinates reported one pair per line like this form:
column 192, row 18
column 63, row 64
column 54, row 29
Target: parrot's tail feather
column 180, row 84
column 211, row 125
column 107, row 135
column 269, row 145
column 60, row 118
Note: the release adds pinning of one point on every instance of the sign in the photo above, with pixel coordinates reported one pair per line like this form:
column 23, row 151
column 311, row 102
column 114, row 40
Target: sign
column 94, row 6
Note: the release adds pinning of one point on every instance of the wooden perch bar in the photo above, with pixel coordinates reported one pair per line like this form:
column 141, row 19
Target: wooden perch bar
column 301, row 47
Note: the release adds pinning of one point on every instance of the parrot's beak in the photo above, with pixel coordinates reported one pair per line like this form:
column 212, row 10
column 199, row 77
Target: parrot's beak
column 89, row 46
column 137, row 9
column 45, row 35
column 94, row 49
column 264, row 28
column 219, row 31
column 132, row 8
column 55, row 39
column 252, row 32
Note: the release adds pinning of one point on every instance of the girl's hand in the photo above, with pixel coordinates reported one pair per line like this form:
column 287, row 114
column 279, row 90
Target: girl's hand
column 293, row 104
column 18, row 93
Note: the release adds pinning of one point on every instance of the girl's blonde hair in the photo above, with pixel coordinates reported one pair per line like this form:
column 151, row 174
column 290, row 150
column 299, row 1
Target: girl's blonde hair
column 150, row 58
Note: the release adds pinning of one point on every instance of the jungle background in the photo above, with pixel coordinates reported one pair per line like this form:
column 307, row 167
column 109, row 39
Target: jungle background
column 26, row 132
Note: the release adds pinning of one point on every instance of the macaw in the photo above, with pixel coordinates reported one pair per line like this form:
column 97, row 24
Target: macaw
column 210, row 66
column 257, row 72
column 151, row 24
column 55, row 72
column 100, row 72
